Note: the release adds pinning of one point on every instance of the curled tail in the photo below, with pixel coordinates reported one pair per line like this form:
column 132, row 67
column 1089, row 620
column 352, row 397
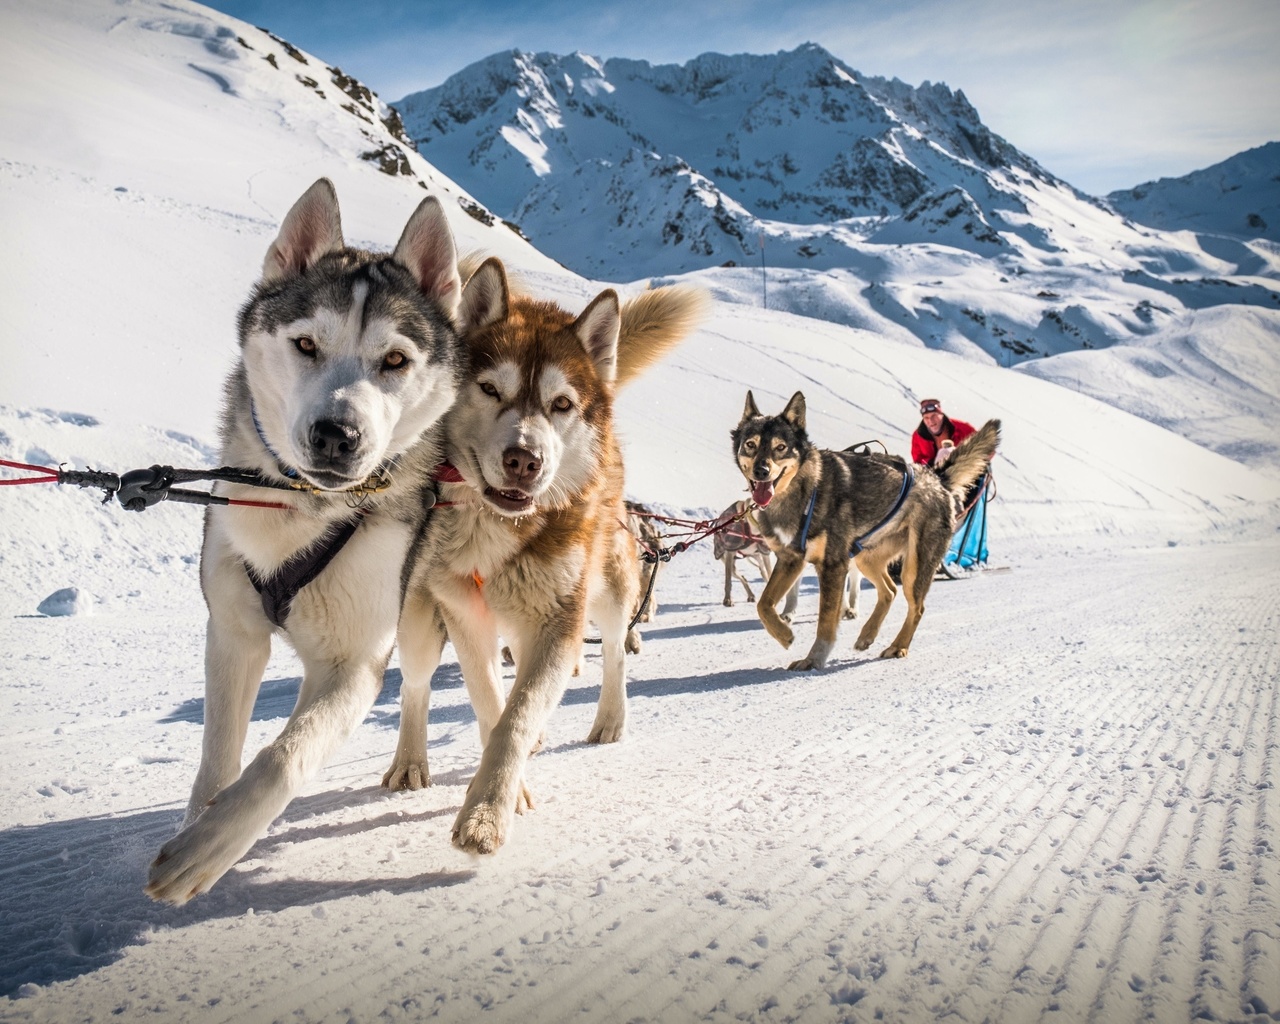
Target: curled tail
column 972, row 457
column 653, row 323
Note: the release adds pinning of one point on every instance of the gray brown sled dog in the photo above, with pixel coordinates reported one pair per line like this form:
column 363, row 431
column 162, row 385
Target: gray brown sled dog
column 534, row 541
column 348, row 360
column 822, row 506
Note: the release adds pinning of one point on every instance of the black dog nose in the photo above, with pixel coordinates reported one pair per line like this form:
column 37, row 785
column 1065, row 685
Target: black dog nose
column 521, row 465
column 334, row 440
column 761, row 472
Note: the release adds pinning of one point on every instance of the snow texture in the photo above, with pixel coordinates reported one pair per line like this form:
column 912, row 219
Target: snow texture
column 1060, row 807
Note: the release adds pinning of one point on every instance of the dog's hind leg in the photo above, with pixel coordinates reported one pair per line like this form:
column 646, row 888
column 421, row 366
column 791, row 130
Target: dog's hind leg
column 918, row 567
column 728, row 558
column 746, row 584
column 852, row 596
column 607, row 609
column 831, row 577
column 877, row 572
column 611, row 712
column 421, row 640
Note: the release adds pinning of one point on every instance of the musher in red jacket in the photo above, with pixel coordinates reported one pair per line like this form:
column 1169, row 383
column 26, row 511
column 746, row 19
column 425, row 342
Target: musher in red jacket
column 937, row 435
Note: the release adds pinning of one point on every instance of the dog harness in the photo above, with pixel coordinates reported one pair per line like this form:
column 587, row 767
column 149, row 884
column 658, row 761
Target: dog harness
column 280, row 588
column 908, row 481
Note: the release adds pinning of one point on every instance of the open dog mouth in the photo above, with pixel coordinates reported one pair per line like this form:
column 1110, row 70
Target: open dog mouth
column 762, row 491
column 514, row 502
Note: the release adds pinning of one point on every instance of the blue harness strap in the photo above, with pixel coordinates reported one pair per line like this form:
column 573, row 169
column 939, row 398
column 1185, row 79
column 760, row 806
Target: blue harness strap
column 908, row 481
column 802, row 540
column 281, row 587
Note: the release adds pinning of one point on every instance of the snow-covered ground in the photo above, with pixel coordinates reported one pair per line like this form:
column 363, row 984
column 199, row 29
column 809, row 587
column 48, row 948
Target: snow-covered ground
column 1060, row 807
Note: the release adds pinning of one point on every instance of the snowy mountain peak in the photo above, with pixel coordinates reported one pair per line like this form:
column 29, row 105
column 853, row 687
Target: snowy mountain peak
column 1239, row 197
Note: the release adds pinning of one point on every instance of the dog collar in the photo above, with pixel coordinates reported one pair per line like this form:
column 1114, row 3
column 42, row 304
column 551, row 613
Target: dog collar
column 377, row 481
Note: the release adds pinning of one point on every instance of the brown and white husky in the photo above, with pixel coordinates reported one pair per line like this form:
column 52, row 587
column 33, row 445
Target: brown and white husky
column 531, row 540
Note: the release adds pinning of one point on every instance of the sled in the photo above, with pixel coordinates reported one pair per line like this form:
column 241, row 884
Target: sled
column 967, row 554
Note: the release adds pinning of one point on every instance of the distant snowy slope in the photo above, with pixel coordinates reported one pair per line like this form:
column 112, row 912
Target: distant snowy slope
column 142, row 175
column 1214, row 377
column 1239, row 197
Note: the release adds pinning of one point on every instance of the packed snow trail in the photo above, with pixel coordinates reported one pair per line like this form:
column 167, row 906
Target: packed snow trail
column 1058, row 808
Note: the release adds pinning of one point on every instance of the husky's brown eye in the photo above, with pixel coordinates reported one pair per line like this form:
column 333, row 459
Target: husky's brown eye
column 562, row 404
column 779, row 449
column 305, row 345
column 748, row 446
column 489, row 389
column 395, row 360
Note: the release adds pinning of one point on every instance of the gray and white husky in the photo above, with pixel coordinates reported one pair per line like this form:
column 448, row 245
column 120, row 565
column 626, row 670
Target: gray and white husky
column 348, row 360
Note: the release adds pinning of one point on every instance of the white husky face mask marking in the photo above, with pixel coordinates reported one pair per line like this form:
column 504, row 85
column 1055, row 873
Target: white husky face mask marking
column 525, row 440
column 349, row 355
column 337, row 397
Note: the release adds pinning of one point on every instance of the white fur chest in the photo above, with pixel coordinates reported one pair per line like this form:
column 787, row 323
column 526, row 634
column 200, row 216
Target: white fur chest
column 471, row 539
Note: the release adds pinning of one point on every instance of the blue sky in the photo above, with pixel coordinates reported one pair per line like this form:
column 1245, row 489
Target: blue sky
column 1104, row 93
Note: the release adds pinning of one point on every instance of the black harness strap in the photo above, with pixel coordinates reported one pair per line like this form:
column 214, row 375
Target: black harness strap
column 279, row 589
column 908, row 481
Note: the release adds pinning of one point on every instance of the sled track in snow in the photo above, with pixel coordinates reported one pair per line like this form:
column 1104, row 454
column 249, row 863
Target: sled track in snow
column 1040, row 815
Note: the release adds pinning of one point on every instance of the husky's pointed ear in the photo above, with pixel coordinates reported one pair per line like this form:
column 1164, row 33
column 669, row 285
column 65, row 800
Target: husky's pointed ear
column 311, row 228
column 484, row 297
column 750, row 411
column 598, row 328
column 426, row 249
column 794, row 412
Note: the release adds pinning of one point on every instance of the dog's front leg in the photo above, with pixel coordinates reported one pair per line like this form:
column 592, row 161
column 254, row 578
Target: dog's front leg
column 333, row 699
column 237, row 647
column 831, row 577
column 492, row 798
column 421, row 638
column 786, row 571
column 729, row 559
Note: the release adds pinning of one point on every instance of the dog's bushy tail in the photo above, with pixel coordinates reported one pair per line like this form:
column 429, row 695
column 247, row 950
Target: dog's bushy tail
column 971, row 459
column 655, row 322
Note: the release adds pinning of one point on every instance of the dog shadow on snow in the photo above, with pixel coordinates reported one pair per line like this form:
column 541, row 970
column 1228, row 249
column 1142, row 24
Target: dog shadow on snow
column 72, row 890
column 73, row 899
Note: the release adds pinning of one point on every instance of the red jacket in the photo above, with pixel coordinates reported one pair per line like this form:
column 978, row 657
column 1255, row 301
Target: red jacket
column 924, row 447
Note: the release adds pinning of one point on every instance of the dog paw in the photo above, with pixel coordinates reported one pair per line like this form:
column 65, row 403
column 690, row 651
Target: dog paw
column 408, row 775
column 190, row 862
column 479, row 828
column 894, row 651
column 524, row 798
column 632, row 644
column 607, row 731
column 804, row 665
column 849, row 613
column 539, row 743
column 728, row 602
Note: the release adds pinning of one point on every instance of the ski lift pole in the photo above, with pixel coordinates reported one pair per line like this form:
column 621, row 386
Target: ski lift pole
column 764, row 276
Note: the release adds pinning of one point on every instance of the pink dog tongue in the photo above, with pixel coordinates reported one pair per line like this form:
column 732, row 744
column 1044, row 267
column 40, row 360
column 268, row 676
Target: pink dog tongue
column 762, row 492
